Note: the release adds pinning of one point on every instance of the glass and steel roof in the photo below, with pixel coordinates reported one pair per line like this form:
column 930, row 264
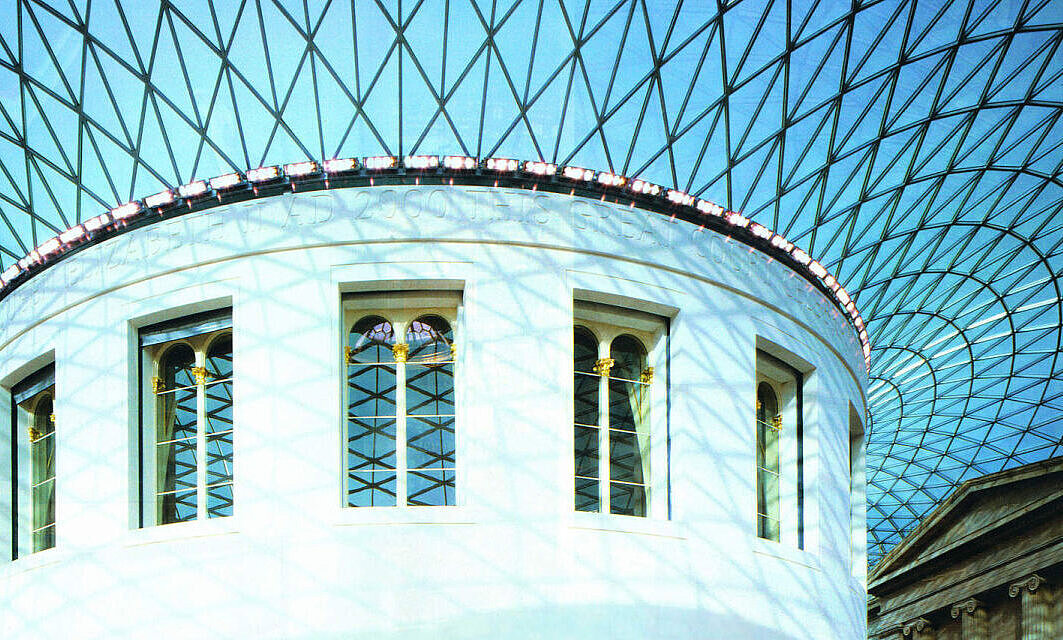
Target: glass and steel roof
column 914, row 147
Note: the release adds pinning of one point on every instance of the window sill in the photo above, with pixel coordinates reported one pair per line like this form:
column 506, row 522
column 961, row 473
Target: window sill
column 182, row 531
column 369, row 516
column 588, row 521
column 32, row 561
column 782, row 551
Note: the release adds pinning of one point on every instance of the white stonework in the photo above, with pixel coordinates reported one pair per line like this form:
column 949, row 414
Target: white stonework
column 512, row 559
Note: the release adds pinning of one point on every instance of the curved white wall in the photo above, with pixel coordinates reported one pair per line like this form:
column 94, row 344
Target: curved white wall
column 512, row 559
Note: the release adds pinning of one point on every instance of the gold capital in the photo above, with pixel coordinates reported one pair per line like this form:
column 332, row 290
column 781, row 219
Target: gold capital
column 348, row 353
column 35, row 434
column 401, row 351
column 603, row 365
column 156, row 385
column 647, row 375
column 200, row 373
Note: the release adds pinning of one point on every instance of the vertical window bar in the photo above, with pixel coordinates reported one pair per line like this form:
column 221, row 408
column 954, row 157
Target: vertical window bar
column 401, row 350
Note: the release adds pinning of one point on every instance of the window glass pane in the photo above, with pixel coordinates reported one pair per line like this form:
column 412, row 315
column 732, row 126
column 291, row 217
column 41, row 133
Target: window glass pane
column 585, row 350
column 370, row 443
column 179, row 506
column 220, row 358
column 42, row 444
column 42, row 416
column 627, row 404
column 585, row 398
column 430, row 488
column 371, row 340
column 220, row 458
column 430, row 443
column 627, row 499
column 625, row 456
column 429, row 368
column 371, row 488
column 629, row 358
column 176, row 414
column 219, row 406
column 44, row 538
column 176, row 462
column 220, row 500
column 587, row 452
column 43, row 505
column 627, row 399
column 429, row 339
column 371, row 389
column 43, row 452
column 175, row 368
column 587, row 498
column 430, row 389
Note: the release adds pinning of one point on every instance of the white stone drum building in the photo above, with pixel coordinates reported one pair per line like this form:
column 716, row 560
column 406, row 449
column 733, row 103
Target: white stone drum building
column 432, row 410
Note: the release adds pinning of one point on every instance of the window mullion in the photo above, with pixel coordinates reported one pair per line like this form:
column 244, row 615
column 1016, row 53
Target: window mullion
column 400, row 351
column 603, row 429
column 200, row 373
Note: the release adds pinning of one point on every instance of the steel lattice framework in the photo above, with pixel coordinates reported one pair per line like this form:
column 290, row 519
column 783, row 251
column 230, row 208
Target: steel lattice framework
column 915, row 147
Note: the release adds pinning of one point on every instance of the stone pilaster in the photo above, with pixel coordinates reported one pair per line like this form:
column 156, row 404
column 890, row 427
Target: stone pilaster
column 1036, row 606
column 973, row 619
column 919, row 629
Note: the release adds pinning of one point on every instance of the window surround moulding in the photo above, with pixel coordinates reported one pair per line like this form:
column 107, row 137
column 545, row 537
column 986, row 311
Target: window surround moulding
column 35, row 378
column 776, row 367
column 176, row 313
column 212, row 309
column 787, row 356
column 624, row 303
column 27, row 369
column 401, row 301
column 653, row 331
column 144, row 313
column 384, row 287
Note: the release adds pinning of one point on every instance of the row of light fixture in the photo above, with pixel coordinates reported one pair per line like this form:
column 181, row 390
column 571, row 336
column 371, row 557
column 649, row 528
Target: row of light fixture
column 293, row 173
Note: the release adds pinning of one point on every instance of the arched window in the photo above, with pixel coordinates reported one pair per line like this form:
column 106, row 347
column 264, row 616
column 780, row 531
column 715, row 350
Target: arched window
column 400, row 423
column 371, row 415
column 612, row 399
column 628, row 421
column 430, row 412
column 768, row 424
column 779, row 433
column 218, row 423
column 177, row 429
column 33, row 473
column 188, row 419
column 42, row 450
column 587, row 437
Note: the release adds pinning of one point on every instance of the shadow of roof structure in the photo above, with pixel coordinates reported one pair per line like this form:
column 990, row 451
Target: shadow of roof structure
column 914, row 148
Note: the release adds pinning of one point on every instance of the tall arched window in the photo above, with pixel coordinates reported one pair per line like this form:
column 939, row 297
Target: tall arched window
column 371, row 393
column 176, row 436
column 612, row 398
column 768, row 424
column 42, row 450
column 33, row 473
column 400, row 399
column 187, row 427
column 779, row 433
column 629, row 383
